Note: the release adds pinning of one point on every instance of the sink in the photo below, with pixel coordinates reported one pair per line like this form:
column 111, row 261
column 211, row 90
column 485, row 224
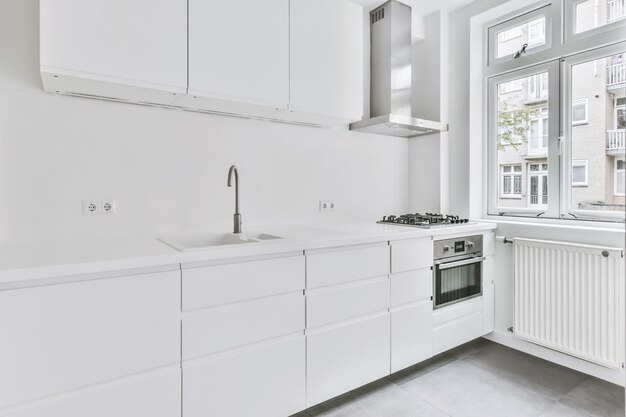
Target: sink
column 201, row 241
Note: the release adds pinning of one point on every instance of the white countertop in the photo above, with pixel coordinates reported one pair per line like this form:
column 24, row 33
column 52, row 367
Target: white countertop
column 25, row 261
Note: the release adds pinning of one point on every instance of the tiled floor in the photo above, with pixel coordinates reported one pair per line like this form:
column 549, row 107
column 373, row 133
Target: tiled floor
column 480, row 379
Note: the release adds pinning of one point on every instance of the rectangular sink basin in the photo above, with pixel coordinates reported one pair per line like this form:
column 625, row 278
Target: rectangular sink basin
column 201, row 241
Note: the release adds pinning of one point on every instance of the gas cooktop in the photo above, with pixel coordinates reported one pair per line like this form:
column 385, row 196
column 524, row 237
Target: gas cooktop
column 425, row 221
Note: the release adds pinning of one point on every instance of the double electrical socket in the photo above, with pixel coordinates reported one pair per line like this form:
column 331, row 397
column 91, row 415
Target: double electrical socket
column 98, row 207
column 327, row 205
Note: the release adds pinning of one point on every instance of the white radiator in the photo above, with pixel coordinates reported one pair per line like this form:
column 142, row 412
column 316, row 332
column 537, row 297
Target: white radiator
column 570, row 298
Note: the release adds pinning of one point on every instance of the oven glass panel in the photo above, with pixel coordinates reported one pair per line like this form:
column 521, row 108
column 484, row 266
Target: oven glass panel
column 458, row 283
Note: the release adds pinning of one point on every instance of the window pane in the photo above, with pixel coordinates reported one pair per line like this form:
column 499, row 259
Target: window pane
column 590, row 14
column 522, row 141
column 532, row 33
column 600, row 141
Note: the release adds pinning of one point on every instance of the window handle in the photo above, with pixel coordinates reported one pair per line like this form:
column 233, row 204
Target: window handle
column 521, row 51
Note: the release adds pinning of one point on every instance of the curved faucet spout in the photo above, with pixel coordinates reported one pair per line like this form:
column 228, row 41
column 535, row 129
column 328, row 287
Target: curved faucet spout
column 237, row 216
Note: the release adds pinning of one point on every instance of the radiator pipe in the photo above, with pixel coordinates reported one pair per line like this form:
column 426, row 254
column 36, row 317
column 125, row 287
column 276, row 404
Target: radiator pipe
column 505, row 239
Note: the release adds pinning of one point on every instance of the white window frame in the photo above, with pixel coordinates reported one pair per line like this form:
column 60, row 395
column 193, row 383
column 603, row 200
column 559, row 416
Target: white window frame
column 540, row 174
column 540, row 122
column 580, row 163
column 552, row 210
column 567, row 211
column 577, row 102
column 569, row 22
column 519, row 20
column 616, row 172
column 615, row 116
column 512, row 175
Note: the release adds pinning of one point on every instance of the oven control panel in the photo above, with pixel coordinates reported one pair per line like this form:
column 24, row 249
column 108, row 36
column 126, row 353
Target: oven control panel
column 448, row 248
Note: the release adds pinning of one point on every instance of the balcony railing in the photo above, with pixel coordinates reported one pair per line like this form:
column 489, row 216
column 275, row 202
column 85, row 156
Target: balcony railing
column 616, row 140
column 616, row 9
column 616, row 74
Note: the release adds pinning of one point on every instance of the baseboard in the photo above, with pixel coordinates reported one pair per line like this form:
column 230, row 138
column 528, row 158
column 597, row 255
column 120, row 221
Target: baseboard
column 598, row 371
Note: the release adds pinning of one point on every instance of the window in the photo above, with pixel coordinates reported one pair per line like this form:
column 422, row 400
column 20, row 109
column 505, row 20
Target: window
column 530, row 29
column 593, row 14
column 560, row 115
column 579, row 111
column 511, row 181
column 579, row 173
column 620, row 189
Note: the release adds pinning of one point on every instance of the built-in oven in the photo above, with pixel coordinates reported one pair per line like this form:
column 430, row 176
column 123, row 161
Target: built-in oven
column 457, row 270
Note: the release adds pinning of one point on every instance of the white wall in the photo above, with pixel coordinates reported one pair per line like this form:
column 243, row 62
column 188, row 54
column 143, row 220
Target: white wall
column 166, row 168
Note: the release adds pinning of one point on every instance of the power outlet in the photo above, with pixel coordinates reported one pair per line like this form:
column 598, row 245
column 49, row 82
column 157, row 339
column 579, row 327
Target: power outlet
column 98, row 207
column 327, row 205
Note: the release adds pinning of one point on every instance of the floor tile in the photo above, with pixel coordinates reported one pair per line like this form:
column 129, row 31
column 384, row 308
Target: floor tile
column 561, row 410
column 462, row 389
column 597, row 398
column 439, row 361
column 535, row 374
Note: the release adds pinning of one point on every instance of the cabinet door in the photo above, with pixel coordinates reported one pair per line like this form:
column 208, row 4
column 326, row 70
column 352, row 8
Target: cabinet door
column 263, row 382
column 239, row 51
column 326, row 60
column 346, row 357
column 411, row 335
column 68, row 336
column 153, row 396
column 488, row 295
column 137, row 43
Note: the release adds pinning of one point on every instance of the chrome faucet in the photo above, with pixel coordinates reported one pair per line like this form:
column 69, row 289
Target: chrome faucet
column 237, row 216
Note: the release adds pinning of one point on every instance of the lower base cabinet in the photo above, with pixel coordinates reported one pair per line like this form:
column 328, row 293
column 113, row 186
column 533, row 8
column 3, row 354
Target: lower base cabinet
column 411, row 335
column 346, row 357
column 266, row 381
column 153, row 396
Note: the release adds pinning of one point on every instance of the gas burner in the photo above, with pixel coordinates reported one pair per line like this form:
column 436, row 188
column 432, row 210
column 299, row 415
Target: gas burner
column 423, row 220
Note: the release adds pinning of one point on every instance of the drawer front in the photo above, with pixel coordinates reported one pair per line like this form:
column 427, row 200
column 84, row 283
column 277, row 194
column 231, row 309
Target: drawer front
column 345, row 265
column 407, row 287
column 457, row 332
column 347, row 357
column 154, row 396
column 411, row 335
column 222, row 284
column 263, row 382
column 67, row 336
column 242, row 324
column 411, row 254
column 333, row 304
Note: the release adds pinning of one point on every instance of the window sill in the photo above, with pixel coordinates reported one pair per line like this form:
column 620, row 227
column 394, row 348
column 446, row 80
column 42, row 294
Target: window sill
column 510, row 197
column 595, row 225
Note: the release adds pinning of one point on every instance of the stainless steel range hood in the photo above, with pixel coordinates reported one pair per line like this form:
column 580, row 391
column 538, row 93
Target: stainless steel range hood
column 391, row 76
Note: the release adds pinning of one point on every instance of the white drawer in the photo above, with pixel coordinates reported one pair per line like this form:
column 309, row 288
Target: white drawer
column 242, row 324
column 411, row 254
column 457, row 332
column 347, row 357
column 222, row 284
column 333, row 304
column 346, row 264
column 154, row 396
column 411, row 335
column 266, row 381
column 407, row 287
column 58, row 338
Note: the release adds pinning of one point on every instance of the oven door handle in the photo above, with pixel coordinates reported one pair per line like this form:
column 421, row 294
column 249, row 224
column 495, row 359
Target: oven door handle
column 470, row 261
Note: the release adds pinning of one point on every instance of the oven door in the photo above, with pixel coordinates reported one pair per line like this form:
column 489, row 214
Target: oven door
column 458, row 279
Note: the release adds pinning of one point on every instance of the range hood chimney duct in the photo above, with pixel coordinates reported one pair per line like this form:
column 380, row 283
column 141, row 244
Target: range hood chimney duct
column 391, row 76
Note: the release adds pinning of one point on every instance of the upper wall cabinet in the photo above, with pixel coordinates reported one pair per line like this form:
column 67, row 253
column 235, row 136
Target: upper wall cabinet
column 133, row 50
column 238, row 56
column 326, row 62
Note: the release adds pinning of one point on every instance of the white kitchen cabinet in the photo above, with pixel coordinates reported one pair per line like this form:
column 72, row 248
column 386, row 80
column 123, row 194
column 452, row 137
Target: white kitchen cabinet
column 266, row 381
column 458, row 331
column 67, row 336
column 411, row 334
column 411, row 254
column 346, row 357
column 408, row 287
column 238, row 56
column 489, row 302
column 132, row 50
column 326, row 62
column 155, row 396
